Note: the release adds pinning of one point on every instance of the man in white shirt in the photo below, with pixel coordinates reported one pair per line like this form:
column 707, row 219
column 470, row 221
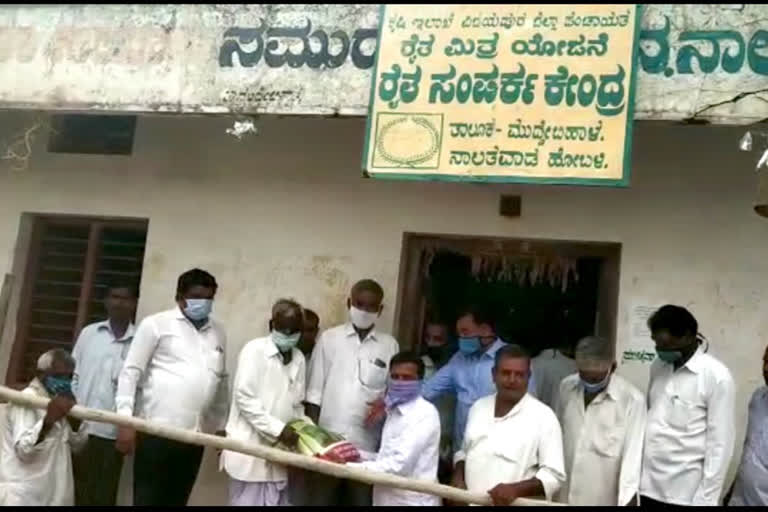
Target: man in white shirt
column 348, row 370
column 410, row 439
column 468, row 375
column 268, row 392
column 99, row 354
column 551, row 366
column 174, row 374
column 37, row 445
column 603, row 421
column 512, row 445
column 689, row 433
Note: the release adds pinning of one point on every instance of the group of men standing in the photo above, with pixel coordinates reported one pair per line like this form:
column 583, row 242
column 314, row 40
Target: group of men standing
column 479, row 418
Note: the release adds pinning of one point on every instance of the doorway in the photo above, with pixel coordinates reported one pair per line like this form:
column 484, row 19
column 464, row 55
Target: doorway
column 541, row 292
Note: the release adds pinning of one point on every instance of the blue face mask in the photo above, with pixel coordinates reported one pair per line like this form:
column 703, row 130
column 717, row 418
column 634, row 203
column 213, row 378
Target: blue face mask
column 57, row 385
column 469, row 345
column 598, row 387
column 285, row 342
column 198, row 309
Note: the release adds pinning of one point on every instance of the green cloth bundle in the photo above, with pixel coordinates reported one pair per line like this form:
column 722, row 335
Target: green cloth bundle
column 315, row 441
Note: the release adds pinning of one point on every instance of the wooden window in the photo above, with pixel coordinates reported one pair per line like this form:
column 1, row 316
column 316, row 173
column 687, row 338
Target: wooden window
column 71, row 261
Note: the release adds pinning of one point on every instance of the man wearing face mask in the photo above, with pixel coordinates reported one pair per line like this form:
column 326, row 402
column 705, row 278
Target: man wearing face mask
column 468, row 374
column 410, row 438
column 37, row 445
column 438, row 347
column 603, row 421
column 177, row 364
column 348, row 370
column 268, row 392
column 689, row 433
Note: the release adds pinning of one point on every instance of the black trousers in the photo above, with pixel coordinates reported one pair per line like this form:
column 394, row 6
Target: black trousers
column 164, row 471
column 97, row 469
column 327, row 491
column 645, row 501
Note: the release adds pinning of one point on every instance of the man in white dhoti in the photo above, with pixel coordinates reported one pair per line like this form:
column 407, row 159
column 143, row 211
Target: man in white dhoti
column 268, row 393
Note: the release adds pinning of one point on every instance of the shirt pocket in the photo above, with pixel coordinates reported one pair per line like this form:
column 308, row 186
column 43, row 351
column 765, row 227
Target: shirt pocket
column 372, row 375
column 607, row 439
column 608, row 442
column 508, row 458
column 681, row 412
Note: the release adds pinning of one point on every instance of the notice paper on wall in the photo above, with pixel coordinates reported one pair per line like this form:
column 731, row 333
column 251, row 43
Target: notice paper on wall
column 640, row 347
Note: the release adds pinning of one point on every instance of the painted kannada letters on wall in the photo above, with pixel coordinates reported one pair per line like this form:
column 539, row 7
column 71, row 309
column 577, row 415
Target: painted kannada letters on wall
column 547, row 100
column 642, row 356
column 729, row 50
column 334, row 48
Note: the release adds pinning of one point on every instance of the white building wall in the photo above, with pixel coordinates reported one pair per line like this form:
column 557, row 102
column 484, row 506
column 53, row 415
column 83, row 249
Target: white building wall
column 286, row 213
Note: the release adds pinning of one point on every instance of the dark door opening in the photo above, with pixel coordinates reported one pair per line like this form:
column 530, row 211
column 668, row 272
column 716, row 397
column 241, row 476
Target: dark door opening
column 535, row 311
column 541, row 292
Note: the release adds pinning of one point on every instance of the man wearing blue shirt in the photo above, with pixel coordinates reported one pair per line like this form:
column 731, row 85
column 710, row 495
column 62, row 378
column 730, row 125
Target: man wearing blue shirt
column 99, row 354
column 468, row 374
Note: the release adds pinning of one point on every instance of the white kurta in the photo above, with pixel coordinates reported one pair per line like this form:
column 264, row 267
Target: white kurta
column 175, row 374
column 689, row 433
column 345, row 375
column 267, row 394
column 410, row 445
column 37, row 474
column 525, row 443
column 602, row 443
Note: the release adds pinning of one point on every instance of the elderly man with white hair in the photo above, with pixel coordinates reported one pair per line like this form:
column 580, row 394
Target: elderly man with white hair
column 268, row 393
column 603, row 422
column 37, row 445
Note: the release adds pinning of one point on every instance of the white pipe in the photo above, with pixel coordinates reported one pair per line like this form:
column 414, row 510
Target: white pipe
column 271, row 454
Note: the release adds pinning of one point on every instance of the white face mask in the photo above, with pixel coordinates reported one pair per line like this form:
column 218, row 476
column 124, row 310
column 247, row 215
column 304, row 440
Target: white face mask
column 362, row 319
